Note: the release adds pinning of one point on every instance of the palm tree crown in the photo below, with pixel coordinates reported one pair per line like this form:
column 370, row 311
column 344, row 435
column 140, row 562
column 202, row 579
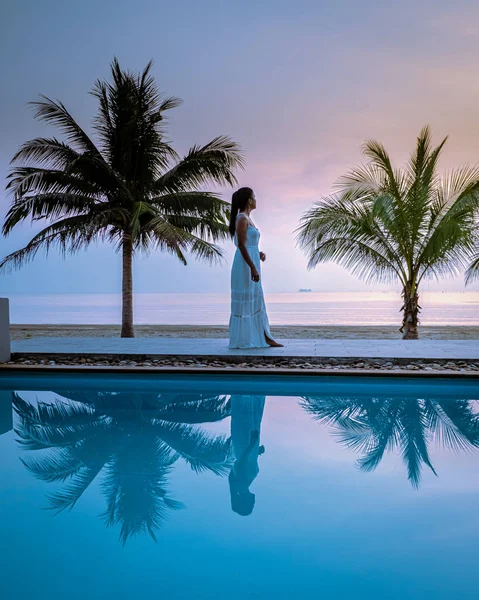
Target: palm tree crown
column 128, row 186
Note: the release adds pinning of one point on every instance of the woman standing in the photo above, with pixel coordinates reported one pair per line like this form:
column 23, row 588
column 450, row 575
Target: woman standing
column 249, row 325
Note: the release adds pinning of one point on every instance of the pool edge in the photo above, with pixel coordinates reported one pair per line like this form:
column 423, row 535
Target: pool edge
column 225, row 371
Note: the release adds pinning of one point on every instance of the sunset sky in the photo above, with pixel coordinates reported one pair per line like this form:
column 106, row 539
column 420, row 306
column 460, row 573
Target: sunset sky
column 299, row 84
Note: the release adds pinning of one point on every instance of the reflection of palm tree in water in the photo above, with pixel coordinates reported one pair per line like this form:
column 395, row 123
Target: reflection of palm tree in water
column 373, row 426
column 246, row 415
column 133, row 439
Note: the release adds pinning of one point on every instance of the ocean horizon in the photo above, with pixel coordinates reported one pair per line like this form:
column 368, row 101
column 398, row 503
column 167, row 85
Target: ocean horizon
column 302, row 309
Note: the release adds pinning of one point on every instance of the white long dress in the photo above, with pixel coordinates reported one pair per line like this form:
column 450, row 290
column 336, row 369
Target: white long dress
column 246, row 416
column 249, row 321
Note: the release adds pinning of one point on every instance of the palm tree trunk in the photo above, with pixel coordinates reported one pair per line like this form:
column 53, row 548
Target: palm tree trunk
column 410, row 310
column 127, row 330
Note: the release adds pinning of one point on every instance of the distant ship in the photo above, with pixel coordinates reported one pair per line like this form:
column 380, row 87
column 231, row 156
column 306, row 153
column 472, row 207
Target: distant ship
column 305, row 290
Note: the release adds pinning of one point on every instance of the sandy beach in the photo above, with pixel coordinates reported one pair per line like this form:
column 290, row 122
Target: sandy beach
column 22, row 332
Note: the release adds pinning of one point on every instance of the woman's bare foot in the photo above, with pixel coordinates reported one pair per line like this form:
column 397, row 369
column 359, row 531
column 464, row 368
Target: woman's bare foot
column 273, row 343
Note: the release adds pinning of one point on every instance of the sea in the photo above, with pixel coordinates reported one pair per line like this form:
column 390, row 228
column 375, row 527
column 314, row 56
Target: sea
column 305, row 308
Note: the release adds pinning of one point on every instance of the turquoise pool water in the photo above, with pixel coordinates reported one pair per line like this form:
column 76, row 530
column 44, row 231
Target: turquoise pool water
column 235, row 488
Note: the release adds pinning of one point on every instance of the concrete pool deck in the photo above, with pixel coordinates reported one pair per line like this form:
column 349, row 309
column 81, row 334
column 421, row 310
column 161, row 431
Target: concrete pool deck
column 218, row 348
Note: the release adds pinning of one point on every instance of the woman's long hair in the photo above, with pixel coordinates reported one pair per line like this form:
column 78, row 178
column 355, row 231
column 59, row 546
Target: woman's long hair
column 239, row 202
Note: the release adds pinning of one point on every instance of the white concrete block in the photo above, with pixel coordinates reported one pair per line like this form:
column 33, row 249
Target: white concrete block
column 4, row 330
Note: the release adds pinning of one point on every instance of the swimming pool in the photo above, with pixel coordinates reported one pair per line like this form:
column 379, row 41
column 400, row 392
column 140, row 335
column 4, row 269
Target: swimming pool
column 229, row 487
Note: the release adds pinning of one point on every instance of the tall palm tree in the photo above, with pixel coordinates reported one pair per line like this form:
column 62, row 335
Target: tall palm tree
column 372, row 426
column 128, row 186
column 132, row 440
column 386, row 224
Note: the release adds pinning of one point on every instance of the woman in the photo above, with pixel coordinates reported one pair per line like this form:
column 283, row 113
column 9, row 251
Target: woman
column 246, row 416
column 249, row 326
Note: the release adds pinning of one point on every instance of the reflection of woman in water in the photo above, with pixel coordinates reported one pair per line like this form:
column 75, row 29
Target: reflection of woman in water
column 246, row 415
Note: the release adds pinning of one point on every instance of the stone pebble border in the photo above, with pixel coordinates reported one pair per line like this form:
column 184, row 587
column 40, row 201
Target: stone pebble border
column 331, row 364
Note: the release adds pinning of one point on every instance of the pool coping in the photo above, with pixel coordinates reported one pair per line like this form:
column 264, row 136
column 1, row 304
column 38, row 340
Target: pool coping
column 396, row 373
column 217, row 349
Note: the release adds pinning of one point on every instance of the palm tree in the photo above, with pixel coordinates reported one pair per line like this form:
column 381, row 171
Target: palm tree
column 133, row 440
column 386, row 224
column 372, row 426
column 128, row 187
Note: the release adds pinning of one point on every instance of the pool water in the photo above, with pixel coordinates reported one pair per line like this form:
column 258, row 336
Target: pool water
column 235, row 488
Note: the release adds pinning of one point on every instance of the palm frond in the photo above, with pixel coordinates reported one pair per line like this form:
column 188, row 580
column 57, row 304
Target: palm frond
column 213, row 163
column 453, row 424
column 191, row 203
column 57, row 466
column 202, row 227
column 26, row 181
column 163, row 234
column 70, row 235
column 472, row 271
column 46, row 151
column 345, row 230
column 195, row 411
column 46, row 206
column 66, row 497
column 380, row 160
column 332, row 410
column 363, row 182
column 56, row 113
column 54, row 425
column 203, row 452
column 167, row 104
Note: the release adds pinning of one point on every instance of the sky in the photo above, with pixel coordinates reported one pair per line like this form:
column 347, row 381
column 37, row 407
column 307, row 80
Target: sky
column 299, row 85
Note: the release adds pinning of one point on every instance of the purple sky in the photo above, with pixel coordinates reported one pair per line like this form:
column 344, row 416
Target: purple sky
column 299, row 84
